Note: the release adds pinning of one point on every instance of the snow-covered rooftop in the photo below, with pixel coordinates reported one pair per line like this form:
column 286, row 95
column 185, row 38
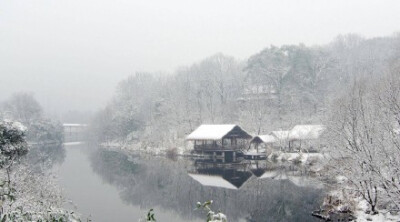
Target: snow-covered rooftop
column 266, row 138
column 280, row 135
column 74, row 125
column 306, row 132
column 211, row 132
column 212, row 181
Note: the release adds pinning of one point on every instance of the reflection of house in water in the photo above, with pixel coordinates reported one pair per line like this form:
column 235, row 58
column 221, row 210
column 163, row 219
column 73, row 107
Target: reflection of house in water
column 219, row 142
column 216, row 176
column 166, row 185
column 212, row 181
column 258, row 167
column 293, row 176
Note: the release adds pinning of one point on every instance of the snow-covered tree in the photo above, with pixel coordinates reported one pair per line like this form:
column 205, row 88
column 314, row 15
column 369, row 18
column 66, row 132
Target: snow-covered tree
column 25, row 194
column 23, row 107
column 365, row 141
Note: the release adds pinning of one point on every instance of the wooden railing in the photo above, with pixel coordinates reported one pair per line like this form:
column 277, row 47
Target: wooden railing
column 206, row 147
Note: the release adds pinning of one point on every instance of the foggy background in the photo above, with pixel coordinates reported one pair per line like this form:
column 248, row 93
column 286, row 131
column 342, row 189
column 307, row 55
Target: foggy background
column 71, row 54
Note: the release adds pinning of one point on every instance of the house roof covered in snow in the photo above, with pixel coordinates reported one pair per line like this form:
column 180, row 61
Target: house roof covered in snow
column 281, row 134
column 212, row 181
column 74, row 125
column 264, row 139
column 217, row 132
column 306, row 132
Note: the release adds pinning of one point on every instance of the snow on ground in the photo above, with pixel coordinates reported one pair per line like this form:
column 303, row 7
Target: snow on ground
column 73, row 143
column 147, row 149
column 382, row 216
column 254, row 152
column 302, row 157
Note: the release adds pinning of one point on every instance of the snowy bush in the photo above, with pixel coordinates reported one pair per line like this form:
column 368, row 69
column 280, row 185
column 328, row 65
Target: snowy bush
column 211, row 215
column 50, row 215
column 45, row 131
column 150, row 217
column 298, row 159
column 26, row 195
column 12, row 143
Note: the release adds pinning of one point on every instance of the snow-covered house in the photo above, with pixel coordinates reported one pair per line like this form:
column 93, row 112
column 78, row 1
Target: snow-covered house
column 262, row 144
column 222, row 142
column 306, row 137
column 281, row 139
column 267, row 139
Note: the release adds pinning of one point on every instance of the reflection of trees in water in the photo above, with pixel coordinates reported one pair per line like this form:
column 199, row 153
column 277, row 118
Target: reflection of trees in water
column 151, row 182
column 114, row 167
column 43, row 157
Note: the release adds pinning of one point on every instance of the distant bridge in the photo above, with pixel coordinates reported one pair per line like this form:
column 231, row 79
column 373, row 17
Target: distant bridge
column 74, row 132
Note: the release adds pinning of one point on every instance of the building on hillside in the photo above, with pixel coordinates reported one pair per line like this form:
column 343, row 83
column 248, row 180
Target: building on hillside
column 306, row 137
column 220, row 142
column 257, row 88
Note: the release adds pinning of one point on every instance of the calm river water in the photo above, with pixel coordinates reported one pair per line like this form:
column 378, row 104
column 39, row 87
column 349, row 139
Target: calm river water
column 111, row 186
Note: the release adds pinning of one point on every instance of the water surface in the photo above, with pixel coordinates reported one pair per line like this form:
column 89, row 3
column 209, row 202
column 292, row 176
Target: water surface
column 112, row 186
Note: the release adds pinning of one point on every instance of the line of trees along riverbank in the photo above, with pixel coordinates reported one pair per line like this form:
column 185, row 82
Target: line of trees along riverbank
column 24, row 108
column 276, row 88
column 350, row 85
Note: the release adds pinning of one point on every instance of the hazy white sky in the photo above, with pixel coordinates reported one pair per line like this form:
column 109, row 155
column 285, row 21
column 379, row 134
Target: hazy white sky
column 71, row 53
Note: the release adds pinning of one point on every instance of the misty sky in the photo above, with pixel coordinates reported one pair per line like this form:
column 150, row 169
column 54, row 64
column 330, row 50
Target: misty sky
column 72, row 53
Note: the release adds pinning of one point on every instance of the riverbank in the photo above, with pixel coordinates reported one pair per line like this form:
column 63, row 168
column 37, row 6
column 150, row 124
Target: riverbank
column 336, row 207
column 295, row 157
